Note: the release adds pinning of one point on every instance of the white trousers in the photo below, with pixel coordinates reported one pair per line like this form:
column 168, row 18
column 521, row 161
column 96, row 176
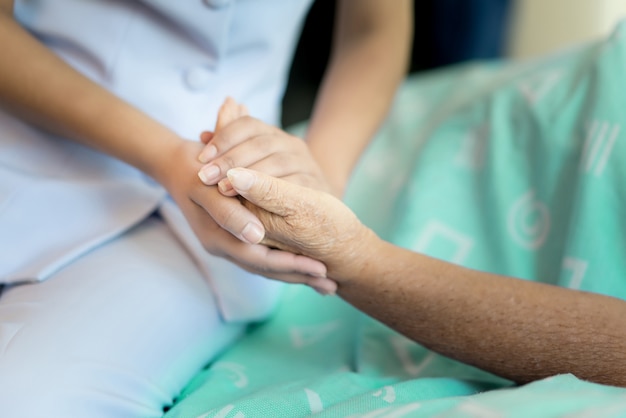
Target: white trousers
column 117, row 333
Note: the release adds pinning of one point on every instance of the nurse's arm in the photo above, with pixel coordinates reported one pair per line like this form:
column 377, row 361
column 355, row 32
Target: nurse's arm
column 39, row 87
column 369, row 58
column 517, row 329
column 42, row 89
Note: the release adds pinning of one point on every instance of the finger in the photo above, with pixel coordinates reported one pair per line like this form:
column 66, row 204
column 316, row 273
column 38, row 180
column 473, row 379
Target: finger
column 226, row 188
column 236, row 132
column 267, row 192
column 324, row 286
column 229, row 111
column 282, row 165
column 309, row 180
column 276, row 264
column 206, row 136
column 303, row 178
column 243, row 110
column 283, row 265
column 247, row 154
column 272, row 263
column 231, row 215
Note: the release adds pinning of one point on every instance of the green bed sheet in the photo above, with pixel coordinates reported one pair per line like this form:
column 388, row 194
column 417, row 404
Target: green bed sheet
column 516, row 168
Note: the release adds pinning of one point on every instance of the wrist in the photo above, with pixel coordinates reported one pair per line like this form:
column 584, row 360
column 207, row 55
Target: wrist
column 361, row 258
column 331, row 170
column 163, row 158
column 337, row 185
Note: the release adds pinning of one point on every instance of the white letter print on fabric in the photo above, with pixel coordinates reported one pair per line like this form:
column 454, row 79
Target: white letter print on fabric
column 387, row 392
column 529, row 221
column 305, row 335
column 474, row 409
column 223, row 413
column 392, row 411
column 578, row 268
column 315, row 402
column 402, row 348
column 436, row 229
column 236, row 374
column 598, row 146
column 473, row 148
column 539, row 85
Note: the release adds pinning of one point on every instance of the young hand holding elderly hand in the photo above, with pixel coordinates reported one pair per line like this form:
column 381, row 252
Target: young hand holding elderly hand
column 517, row 329
column 504, row 325
column 242, row 141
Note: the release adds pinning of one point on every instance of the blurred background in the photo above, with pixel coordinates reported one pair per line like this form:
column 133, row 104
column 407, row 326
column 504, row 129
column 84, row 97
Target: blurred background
column 454, row 31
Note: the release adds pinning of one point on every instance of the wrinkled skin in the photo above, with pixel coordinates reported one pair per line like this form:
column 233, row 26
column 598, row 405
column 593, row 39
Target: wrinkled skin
column 306, row 221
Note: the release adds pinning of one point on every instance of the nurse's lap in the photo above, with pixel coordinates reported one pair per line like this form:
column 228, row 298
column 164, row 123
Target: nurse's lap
column 117, row 333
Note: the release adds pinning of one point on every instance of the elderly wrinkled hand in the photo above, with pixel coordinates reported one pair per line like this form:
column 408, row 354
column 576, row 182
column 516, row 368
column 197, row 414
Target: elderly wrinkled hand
column 306, row 221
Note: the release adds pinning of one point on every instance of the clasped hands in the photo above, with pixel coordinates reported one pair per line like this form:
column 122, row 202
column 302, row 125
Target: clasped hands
column 261, row 201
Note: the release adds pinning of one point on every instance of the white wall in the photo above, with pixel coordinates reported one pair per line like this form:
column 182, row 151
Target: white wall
column 543, row 26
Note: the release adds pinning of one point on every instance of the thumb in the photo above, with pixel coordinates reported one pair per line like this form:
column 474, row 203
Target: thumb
column 264, row 191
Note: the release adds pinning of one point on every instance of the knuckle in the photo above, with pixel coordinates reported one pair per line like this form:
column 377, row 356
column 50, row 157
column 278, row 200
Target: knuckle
column 223, row 139
column 299, row 143
column 227, row 162
column 263, row 142
column 272, row 194
column 286, row 161
column 228, row 217
column 248, row 119
column 211, row 248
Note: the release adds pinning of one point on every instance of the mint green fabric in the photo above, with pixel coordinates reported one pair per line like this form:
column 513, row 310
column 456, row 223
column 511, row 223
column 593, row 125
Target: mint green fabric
column 512, row 168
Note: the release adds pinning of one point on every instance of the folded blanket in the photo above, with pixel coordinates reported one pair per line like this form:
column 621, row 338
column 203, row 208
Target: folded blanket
column 515, row 168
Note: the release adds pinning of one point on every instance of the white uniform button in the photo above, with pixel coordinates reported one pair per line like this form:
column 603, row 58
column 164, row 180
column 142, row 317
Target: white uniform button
column 217, row 4
column 198, row 78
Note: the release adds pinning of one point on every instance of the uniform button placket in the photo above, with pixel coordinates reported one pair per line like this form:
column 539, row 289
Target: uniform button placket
column 217, row 4
column 198, row 78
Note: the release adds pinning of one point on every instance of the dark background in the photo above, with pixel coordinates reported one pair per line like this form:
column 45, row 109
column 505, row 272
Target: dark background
column 445, row 32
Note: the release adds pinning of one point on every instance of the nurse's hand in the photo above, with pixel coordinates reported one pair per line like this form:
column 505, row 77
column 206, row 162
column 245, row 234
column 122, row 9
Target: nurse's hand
column 242, row 141
column 227, row 229
column 308, row 222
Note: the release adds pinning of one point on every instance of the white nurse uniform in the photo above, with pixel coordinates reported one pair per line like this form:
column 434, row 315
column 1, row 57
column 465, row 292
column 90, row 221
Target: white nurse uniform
column 110, row 304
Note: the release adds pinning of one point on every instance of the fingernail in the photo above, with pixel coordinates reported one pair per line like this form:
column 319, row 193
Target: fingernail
column 322, row 291
column 318, row 290
column 209, row 174
column 225, row 186
column 324, row 286
column 208, row 153
column 240, row 179
column 253, row 233
column 318, row 274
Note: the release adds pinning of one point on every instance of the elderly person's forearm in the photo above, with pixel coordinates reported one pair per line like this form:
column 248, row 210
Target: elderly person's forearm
column 517, row 329
column 514, row 328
